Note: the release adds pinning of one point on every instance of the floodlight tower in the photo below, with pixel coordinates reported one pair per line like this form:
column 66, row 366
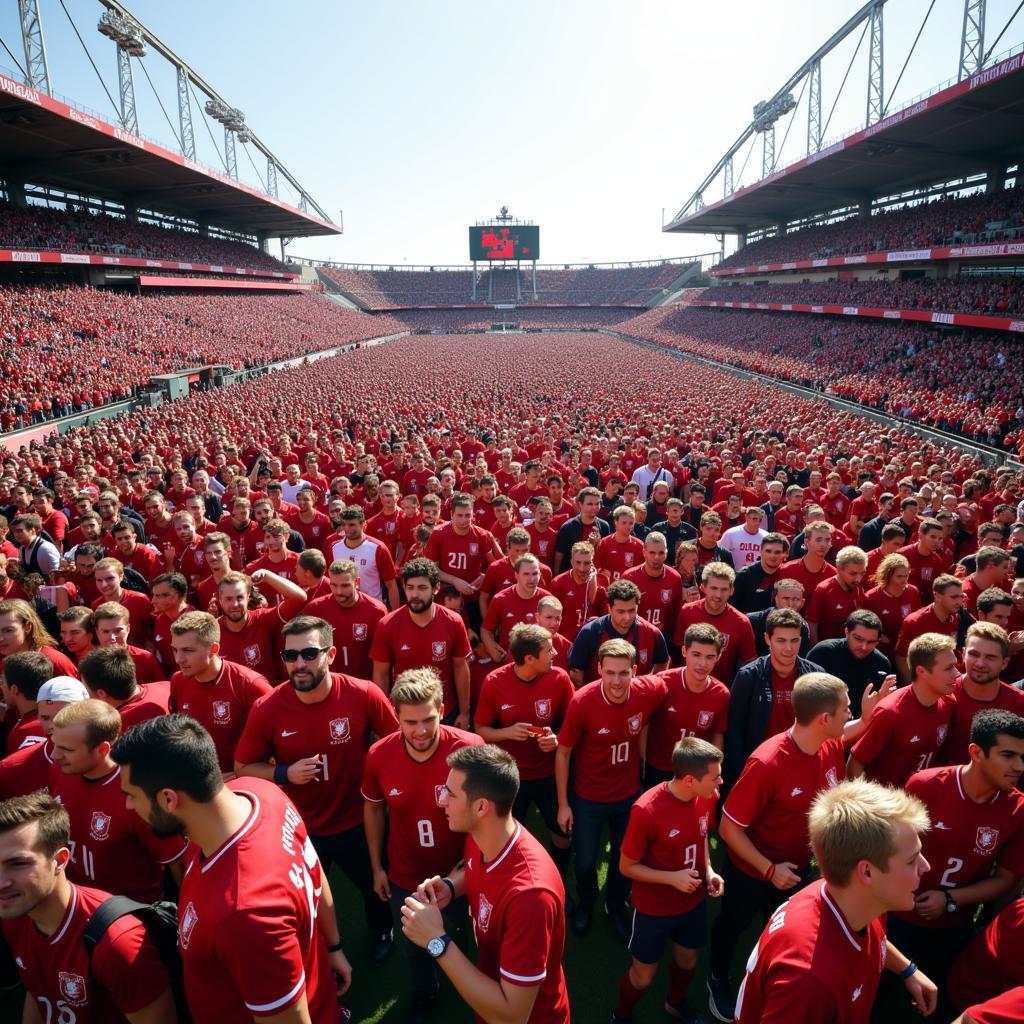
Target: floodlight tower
column 127, row 37
column 766, row 113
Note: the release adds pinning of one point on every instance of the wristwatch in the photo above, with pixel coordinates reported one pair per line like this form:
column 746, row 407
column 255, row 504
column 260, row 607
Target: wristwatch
column 951, row 905
column 438, row 945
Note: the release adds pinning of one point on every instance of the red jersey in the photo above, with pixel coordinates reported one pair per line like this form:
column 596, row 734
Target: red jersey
column 354, row 630
column 810, row 966
column 505, row 700
column 500, row 575
column 1007, row 698
column 144, row 560
column 246, row 544
column 26, row 732
column 966, row 839
column 464, row 556
column 788, row 523
column 613, row 557
column 221, row 705
column 903, row 736
column 337, row 729
column 738, row 645
column 577, row 608
column 285, row 569
column 994, row 961
column 668, row 834
column 797, row 570
column 543, row 544
column 773, row 794
column 924, row 620
column 257, row 645
column 123, row 974
column 924, row 568
column 837, row 509
column 162, row 639
column 191, row 562
column 685, row 713
column 401, row 643
column 27, row 770
column 892, row 611
column 420, row 843
column 829, row 607
column 140, row 615
column 388, row 530
column 661, row 597
column 147, row 668
column 313, row 533
column 508, row 609
column 517, row 907
column 150, row 700
column 1007, row 1008
column 605, row 738
column 111, row 846
column 247, row 919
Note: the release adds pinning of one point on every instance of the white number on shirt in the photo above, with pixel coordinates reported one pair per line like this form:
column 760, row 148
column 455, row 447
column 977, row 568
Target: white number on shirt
column 690, row 857
column 924, row 761
column 457, row 560
column 65, row 1015
column 82, row 857
column 946, row 882
column 425, row 828
column 620, row 752
column 343, row 651
column 654, row 617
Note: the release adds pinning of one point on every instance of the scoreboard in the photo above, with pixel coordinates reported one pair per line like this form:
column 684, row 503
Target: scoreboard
column 504, row 242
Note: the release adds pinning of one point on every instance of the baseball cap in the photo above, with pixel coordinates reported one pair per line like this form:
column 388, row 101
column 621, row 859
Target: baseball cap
column 62, row 688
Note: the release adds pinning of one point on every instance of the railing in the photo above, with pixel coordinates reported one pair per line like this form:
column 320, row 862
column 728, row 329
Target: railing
column 467, row 268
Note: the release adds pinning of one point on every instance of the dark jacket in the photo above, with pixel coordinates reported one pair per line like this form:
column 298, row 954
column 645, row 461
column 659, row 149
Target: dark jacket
column 750, row 705
column 747, row 595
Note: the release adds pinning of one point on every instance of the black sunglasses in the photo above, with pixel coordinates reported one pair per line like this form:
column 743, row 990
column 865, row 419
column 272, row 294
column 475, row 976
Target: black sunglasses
column 308, row 654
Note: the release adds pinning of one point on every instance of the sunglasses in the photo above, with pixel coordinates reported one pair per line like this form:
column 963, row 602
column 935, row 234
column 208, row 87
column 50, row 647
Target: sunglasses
column 307, row 653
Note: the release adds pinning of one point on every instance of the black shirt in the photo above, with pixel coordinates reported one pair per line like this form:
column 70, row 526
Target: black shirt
column 834, row 656
column 674, row 535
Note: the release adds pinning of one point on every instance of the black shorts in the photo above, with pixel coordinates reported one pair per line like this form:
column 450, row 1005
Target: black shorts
column 651, row 933
column 543, row 793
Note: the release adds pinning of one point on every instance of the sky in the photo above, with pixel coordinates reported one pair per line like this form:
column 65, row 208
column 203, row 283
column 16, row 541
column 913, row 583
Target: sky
column 595, row 119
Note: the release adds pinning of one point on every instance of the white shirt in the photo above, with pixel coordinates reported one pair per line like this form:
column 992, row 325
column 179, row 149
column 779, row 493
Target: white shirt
column 365, row 557
column 744, row 547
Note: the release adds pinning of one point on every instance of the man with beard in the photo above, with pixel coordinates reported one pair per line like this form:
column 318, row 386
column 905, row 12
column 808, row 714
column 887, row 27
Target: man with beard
column 311, row 738
column 404, row 775
column 256, row 915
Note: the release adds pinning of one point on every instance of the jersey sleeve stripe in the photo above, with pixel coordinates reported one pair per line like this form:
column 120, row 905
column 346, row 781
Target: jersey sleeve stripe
column 177, row 856
column 283, row 1001
column 523, row 979
column 735, row 820
column 373, row 800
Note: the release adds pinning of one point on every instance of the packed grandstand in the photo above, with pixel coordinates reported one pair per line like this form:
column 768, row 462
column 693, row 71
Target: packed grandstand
column 192, row 427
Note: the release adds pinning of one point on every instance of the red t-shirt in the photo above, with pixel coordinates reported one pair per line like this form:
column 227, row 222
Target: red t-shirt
column 140, row 615
column 1007, row 698
column 994, row 961
column 500, row 575
column 505, row 700
column 605, row 738
column 517, row 907
column 403, row 644
column 26, row 732
column 667, row 834
column 420, row 843
column 144, row 560
column 247, row 918
column 773, row 794
column 162, row 639
column 892, row 611
column 661, row 597
column 738, row 645
column 257, row 645
column 337, row 729
column 388, row 530
column 543, row 544
column 508, row 609
column 150, row 701
column 965, row 839
column 1005, row 1009
column 924, row 620
column 147, row 668
column 797, row 570
column 685, row 713
column 924, row 568
column 221, row 706
column 122, row 975
column 781, row 717
column 577, row 608
column 788, row 523
column 810, row 966
column 461, row 555
column 614, row 557
column 354, row 630
column 829, row 607
column 27, row 770
column 111, row 846
column 903, row 736
column 313, row 533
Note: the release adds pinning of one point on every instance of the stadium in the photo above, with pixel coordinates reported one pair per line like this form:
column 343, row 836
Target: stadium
column 849, row 349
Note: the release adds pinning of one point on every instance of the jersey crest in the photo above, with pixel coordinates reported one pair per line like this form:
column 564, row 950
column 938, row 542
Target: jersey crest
column 189, row 919
column 359, row 630
column 439, row 795
column 340, row 729
column 221, row 712
column 474, row 549
column 940, row 734
column 703, row 824
column 199, row 556
column 439, row 648
column 831, row 778
column 72, row 987
column 644, row 656
column 99, row 828
column 705, row 718
column 483, row 913
column 666, row 596
column 252, row 654
column 985, row 840
column 543, row 708
column 635, row 723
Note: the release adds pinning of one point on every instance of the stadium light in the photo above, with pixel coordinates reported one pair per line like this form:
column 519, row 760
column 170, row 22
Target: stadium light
column 766, row 113
column 124, row 32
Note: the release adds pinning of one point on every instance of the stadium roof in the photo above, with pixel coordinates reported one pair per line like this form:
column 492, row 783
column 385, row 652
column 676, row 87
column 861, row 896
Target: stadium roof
column 44, row 141
column 962, row 129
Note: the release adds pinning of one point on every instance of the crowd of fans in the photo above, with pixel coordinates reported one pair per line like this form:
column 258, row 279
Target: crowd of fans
column 524, row 317
column 620, row 286
column 68, row 349
column 963, row 381
column 985, row 294
column 947, row 221
column 79, row 230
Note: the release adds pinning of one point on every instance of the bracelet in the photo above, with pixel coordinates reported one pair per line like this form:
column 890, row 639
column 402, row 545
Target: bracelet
column 451, row 887
column 907, row 971
column 769, row 873
column 280, row 774
column 336, row 947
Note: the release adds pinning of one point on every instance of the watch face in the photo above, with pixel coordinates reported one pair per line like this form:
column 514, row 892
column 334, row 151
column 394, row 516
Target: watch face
column 435, row 947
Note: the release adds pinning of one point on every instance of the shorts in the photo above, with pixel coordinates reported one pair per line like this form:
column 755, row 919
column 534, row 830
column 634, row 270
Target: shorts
column 543, row 793
column 651, row 934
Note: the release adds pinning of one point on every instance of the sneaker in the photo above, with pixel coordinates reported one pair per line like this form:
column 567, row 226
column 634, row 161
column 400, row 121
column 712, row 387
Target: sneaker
column 684, row 1013
column 721, row 1001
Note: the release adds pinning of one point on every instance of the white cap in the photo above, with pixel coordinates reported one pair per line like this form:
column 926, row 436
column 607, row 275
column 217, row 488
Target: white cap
column 62, row 688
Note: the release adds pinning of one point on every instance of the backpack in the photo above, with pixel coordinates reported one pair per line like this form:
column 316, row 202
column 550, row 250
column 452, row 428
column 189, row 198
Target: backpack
column 161, row 923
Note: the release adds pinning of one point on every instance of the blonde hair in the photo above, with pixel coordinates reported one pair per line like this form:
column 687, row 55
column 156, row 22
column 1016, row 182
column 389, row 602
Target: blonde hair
column 888, row 566
column 102, row 721
column 850, row 555
column 990, row 631
column 111, row 610
column 25, row 614
column 417, row 686
column 616, row 648
column 924, row 650
column 203, row 624
column 815, row 694
column 858, row 820
column 719, row 571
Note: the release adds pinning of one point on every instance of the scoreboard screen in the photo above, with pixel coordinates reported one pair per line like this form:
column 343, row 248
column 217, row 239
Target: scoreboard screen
column 504, row 242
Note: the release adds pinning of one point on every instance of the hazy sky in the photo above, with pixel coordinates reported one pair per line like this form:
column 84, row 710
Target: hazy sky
column 589, row 117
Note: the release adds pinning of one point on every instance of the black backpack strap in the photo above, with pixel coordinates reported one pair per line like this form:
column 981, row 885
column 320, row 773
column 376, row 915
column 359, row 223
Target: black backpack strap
column 109, row 911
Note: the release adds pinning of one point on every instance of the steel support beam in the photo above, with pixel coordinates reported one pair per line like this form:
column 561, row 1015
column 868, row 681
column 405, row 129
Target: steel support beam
column 188, row 139
column 272, row 176
column 972, row 39
column 767, row 152
column 814, row 109
column 230, row 157
column 126, row 85
column 35, row 45
column 876, row 90
column 729, row 189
